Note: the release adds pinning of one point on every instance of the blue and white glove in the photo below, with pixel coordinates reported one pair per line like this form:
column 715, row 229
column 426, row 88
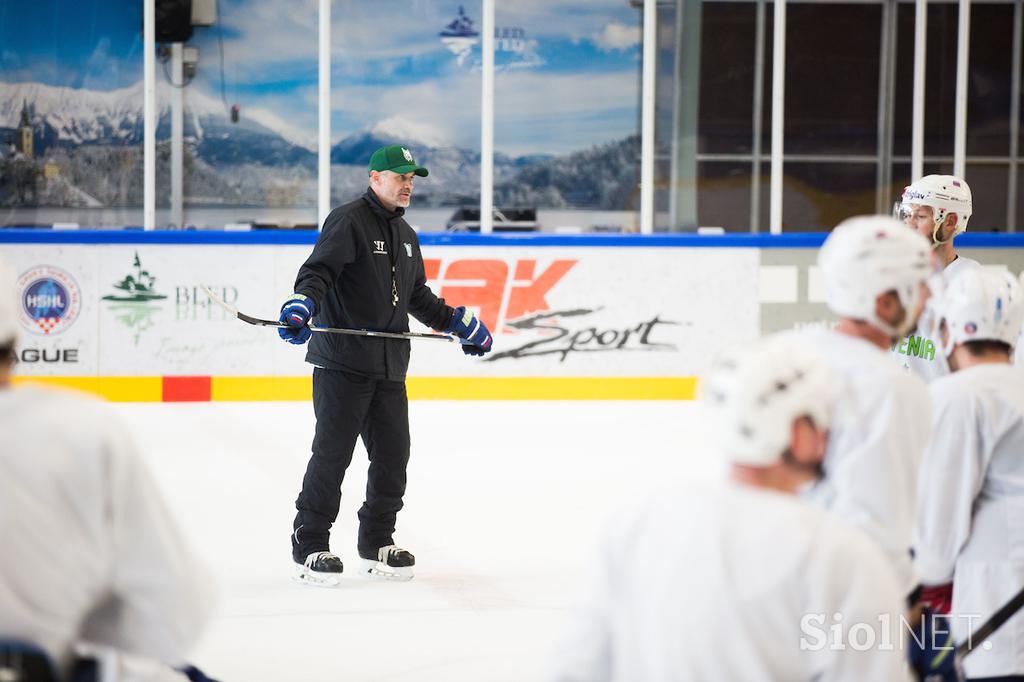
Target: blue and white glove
column 466, row 326
column 931, row 649
column 295, row 313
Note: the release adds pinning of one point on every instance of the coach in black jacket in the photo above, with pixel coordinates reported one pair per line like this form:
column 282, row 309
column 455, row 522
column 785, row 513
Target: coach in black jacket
column 365, row 272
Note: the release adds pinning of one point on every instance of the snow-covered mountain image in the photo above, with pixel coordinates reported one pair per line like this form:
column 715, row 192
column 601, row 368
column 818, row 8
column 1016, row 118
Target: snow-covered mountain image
column 68, row 117
column 87, row 150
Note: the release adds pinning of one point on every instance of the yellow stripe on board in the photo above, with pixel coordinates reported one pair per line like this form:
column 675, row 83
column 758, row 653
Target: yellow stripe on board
column 552, row 388
column 116, row 389
column 240, row 389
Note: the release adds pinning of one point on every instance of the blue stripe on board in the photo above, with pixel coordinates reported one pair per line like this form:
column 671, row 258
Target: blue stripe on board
column 801, row 240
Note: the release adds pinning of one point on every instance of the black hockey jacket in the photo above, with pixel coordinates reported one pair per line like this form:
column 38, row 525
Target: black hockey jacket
column 349, row 278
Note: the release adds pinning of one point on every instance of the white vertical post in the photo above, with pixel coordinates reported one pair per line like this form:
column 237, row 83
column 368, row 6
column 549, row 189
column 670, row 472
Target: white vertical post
column 962, row 49
column 650, row 49
column 149, row 116
column 487, row 122
column 323, row 175
column 177, row 134
column 778, row 112
column 920, row 47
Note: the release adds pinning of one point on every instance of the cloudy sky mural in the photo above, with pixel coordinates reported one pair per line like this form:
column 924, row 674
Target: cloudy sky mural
column 568, row 70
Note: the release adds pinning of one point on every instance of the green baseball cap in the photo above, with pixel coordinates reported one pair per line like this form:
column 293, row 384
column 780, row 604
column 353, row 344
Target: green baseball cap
column 397, row 159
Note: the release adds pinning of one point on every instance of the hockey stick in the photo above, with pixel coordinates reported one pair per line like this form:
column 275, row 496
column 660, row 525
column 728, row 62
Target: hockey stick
column 955, row 672
column 248, row 319
column 1005, row 613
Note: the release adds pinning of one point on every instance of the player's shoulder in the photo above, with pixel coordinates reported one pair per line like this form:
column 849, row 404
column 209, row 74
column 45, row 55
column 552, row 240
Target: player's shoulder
column 33, row 395
column 847, row 545
column 960, row 265
column 345, row 216
column 905, row 393
column 771, row 514
column 812, row 535
column 985, row 381
column 666, row 505
column 408, row 233
column 954, row 393
column 862, row 363
column 905, row 381
column 840, row 347
column 63, row 415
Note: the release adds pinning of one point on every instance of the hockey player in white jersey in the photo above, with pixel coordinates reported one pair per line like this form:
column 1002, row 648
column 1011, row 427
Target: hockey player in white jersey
column 875, row 273
column 90, row 553
column 970, row 529
column 1018, row 357
column 938, row 208
column 740, row 579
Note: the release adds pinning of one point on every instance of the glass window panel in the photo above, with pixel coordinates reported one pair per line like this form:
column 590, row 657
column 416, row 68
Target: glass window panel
column 416, row 84
column 723, row 103
column 832, row 64
column 1020, row 111
column 1019, row 227
column 766, row 104
column 988, row 92
column 940, row 80
column 567, row 107
column 989, row 184
column 71, row 113
column 817, row 196
column 727, row 77
column 900, row 180
column 251, row 119
column 723, row 195
column 665, row 82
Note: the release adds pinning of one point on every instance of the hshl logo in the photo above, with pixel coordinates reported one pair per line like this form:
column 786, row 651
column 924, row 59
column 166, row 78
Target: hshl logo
column 50, row 299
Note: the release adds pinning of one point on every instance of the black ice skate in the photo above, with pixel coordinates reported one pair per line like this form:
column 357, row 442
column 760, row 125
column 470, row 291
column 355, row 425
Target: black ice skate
column 390, row 563
column 320, row 568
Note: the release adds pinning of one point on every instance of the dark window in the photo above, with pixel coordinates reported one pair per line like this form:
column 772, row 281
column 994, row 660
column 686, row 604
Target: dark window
column 832, row 64
column 727, row 77
column 988, row 83
column 989, row 184
column 723, row 195
column 817, row 196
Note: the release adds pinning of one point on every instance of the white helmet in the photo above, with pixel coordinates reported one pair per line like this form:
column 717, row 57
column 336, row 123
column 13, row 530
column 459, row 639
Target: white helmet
column 8, row 305
column 866, row 256
column 755, row 392
column 945, row 194
column 982, row 304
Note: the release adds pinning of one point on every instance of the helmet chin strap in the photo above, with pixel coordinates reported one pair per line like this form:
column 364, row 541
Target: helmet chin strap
column 897, row 332
column 948, row 344
column 936, row 242
column 894, row 333
column 947, row 349
column 815, row 470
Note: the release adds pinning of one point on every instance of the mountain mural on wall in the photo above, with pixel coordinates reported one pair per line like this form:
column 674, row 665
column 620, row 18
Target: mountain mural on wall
column 87, row 151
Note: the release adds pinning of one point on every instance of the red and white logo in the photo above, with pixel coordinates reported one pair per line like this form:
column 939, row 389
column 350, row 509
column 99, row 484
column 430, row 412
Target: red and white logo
column 498, row 289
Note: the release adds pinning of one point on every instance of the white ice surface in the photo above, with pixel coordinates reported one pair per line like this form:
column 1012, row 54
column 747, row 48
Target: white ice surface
column 502, row 504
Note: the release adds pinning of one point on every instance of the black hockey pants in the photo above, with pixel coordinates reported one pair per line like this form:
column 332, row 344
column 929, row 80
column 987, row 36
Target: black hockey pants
column 348, row 406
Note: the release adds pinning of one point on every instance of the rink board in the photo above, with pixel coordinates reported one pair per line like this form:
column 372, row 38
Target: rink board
column 129, row 321
column 121, row 314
